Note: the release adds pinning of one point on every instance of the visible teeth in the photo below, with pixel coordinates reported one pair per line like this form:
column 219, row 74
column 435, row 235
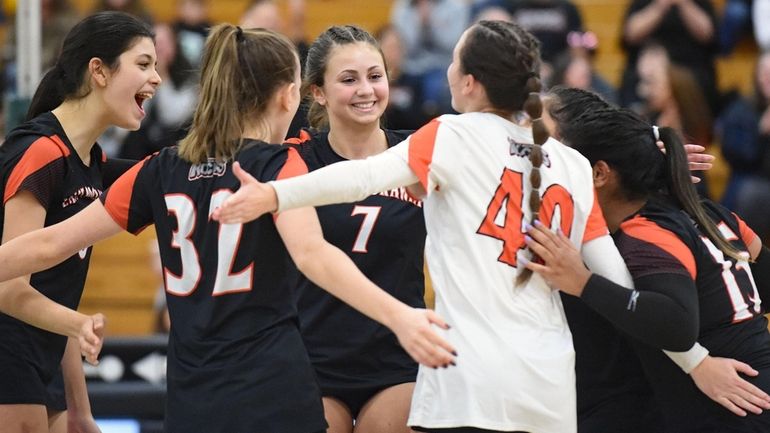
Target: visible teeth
column 364, row 104
column 144, row 95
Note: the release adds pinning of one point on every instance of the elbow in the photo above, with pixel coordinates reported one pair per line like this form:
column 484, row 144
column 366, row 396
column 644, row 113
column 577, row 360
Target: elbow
column 302, row 263
column 50, row 252
column 680, row 344
column 679, row 334
column 305, row 257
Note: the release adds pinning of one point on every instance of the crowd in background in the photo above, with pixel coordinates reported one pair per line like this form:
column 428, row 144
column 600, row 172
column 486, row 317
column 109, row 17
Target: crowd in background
column 670, row 76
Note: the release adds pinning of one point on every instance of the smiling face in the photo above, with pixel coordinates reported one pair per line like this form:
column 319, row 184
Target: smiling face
column 130, row 83
column 355, row 89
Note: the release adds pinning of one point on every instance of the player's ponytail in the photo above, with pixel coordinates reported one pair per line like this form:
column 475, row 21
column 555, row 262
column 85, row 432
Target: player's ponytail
column 533, row 106
column 240, row 71
column 680, row 186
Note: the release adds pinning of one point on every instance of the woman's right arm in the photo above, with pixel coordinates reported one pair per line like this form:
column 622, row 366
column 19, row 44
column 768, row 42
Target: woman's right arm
column 331, row 269
column 658, row 311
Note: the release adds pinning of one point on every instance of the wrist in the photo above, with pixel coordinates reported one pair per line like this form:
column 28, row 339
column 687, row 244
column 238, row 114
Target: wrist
column 582, row 280
column 392, row 311
column 78, row 322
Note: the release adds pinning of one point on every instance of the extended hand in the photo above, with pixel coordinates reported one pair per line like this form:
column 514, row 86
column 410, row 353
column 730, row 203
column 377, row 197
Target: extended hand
column 91, row 338
column 421, row 342
column 252, row 200
column 562, row 266
column 718, row 378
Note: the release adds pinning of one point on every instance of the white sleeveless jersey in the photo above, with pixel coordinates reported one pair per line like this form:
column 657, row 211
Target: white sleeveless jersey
column 515, row 364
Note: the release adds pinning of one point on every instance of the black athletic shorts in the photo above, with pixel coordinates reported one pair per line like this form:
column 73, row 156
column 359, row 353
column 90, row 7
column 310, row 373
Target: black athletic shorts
column 271, row 388
column 20, row 381
column 55, row 400
column 355, row 397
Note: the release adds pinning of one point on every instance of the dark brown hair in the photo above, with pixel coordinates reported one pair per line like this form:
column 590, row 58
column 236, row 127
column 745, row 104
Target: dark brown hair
column 505, row 59
column 318, row 59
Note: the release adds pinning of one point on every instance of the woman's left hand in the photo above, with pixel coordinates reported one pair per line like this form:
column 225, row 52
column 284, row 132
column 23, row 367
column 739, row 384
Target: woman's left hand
column 697, row 158
column 562, row 266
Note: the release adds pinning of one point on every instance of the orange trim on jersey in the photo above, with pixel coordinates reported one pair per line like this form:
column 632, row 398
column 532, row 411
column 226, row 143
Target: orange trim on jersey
column 303, row 137
column 40, row 153
column 645, row 230
column 596, row 226
column 421, row 145
column 60, row 143
column 747, row 234
column 294, row 166
column 117, row 199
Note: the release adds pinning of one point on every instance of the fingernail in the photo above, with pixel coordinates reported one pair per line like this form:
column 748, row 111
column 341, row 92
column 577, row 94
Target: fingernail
column 448, row 326
column 528, row 227
column 445, row 365
column 453, row 363
column 538, row 223
column 558, row 230
column 527, row 239
column 524, row 261
column 454, row 352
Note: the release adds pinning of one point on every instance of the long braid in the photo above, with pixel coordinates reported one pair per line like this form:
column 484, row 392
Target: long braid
column 533, row 106
column 505, row 59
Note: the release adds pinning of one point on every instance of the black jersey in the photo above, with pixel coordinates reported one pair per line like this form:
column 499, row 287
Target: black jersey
column 38, row 157
column 662, row 239
column 384, row 235
column 236, row 361
column 613, row 394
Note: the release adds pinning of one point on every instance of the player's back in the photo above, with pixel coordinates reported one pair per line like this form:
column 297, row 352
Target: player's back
column 236, row 359
column 476, row 170
column 224, row 283
column 479, row 204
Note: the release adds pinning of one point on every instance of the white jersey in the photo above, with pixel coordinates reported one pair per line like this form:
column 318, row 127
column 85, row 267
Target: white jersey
column 515, row 364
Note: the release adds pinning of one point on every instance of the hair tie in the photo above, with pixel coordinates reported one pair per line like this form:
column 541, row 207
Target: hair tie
column 238, row 33
column 656, row 132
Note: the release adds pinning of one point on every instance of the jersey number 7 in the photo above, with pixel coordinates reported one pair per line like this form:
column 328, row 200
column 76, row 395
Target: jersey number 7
column 504, row 217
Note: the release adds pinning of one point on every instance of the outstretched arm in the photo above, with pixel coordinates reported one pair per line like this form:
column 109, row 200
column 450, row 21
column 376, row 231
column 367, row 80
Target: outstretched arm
column 331, row 269
column 343, row 182
column 42, row 249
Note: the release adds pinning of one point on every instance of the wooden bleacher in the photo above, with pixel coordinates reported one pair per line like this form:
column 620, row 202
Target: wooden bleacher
column 121, row 281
